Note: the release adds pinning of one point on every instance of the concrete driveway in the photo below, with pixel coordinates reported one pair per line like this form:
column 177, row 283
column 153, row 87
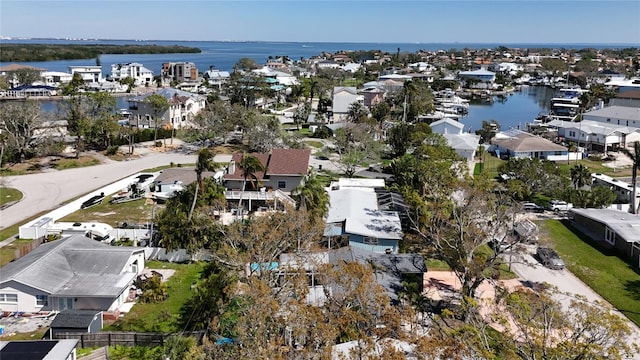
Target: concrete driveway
column 528, row 268
column 48, row 190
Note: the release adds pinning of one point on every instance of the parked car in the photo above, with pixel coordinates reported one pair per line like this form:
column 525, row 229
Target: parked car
column 559, row 205
column 528, row 206
column 549, row 258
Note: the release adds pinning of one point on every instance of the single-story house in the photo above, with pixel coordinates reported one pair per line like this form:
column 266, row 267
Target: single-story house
column 484, row 77
column 354, row 213
column 76, row 321
column 519, row 144
column 610, row 228
column 622, row 189
column 74, row 272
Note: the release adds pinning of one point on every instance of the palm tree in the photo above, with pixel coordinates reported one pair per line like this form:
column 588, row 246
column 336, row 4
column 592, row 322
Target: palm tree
column 250, row 166
column 204, row 163
column 635, row 157
column 580, row 176
column 312, row 196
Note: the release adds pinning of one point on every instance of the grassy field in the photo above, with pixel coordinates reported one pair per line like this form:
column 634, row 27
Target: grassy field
column 162, row 316
column 608, row 275
column 8, row 195
column 136, row 211
column 595, row 167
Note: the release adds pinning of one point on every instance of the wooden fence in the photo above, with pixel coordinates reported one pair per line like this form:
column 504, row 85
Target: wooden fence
column 124, row 338
column 27, row 248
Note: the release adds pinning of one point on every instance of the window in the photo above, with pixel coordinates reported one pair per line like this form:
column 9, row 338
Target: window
column 9, row 298
column 370, row 240
column 609, row 236
column 572, row 133
column 42, row 300
column 282, row 184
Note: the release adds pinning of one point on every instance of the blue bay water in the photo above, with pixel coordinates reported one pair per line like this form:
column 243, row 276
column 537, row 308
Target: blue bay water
column 515, row 110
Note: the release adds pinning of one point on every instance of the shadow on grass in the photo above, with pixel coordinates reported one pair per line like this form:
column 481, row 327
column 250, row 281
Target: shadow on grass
column 633, row 288
column 604, row 248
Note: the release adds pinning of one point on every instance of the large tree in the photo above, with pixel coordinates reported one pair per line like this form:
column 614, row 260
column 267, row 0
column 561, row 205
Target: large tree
column 580, row 176
column 159, row 105
column 249, row 166
column 20, row 120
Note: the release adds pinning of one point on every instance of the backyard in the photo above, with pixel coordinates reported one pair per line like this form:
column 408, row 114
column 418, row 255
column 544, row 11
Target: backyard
column 162, row 316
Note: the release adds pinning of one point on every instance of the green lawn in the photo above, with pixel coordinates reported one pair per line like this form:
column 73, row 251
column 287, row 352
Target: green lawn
column 491, row 164
column 8, row 195
column 315, row 144
column 608, row 275
column 136, row 211
column 595, row 167
column 163, row 316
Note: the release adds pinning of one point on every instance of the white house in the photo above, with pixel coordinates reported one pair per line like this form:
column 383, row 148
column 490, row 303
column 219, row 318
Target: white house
column 183, row 107
column 343, row 97
column 465, row 144
column 90, row 74
column 74, row 272
column 615, row 115
column 281, row 77
column 485, row 78
column 519, row 144
column 55, row 78
column 595, row 135
column 137, row 71
column 351, row 67
column 217, row 77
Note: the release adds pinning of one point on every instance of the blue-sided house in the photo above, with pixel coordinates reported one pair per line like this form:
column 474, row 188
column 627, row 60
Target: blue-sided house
column 355, row 215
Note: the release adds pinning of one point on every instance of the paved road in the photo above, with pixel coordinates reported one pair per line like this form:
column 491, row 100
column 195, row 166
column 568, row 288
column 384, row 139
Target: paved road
column 46, row 191
column 528, row 268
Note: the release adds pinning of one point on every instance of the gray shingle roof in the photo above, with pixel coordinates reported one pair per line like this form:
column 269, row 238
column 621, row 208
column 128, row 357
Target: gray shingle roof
column 75, row 319
column 73, row 266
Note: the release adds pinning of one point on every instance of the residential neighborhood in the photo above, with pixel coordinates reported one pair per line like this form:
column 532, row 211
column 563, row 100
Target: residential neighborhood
column 330, row 207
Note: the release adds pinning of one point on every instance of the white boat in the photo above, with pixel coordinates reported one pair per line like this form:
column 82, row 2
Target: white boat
column 566, row 103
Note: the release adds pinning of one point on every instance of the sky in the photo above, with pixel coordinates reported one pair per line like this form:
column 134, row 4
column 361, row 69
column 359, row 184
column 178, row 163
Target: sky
column 417, row 21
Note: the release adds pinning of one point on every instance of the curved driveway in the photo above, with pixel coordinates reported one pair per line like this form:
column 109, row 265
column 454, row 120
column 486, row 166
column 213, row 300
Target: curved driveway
column 46, row 191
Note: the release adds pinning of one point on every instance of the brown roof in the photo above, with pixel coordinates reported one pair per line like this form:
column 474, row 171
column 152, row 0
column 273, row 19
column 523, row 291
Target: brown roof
column 526, row 142
column 631, row 94
column 16, row 67
column 278, row 162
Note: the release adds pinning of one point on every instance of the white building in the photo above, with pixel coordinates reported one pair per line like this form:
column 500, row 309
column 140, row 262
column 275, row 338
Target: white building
column 137, row 71
column 615, row 115
column 595, row 135
column 343, row 97
column 465, row 144
column 89, row 74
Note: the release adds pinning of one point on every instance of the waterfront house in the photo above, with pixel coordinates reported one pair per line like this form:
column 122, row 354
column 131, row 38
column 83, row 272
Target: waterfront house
column 615, row 115
column 29, row 91
column 89, row 74
column 519, row 144
column 179, row 71
column 477, row 78
column 183, row 107
column 610, row 229
column 343, row 97
column 355, row 216
column 465, row 144
column 140, row 74
column 595, row 135
column 56, row 78
column 9, row 71
column 74, row 272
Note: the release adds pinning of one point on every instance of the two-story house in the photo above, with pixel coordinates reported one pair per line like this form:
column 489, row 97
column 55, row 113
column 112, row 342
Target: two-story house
column 183, row 107
column 140, row 74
